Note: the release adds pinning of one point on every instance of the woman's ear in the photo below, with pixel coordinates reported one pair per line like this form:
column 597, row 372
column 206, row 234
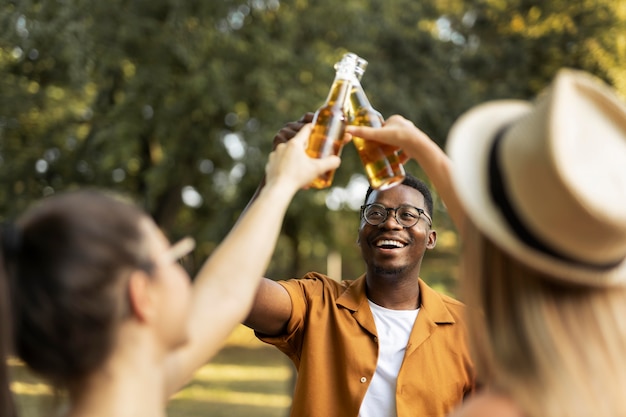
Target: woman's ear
column 142, row 296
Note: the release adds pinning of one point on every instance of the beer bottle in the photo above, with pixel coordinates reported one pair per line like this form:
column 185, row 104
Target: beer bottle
column 329, row 121
column 381, row 162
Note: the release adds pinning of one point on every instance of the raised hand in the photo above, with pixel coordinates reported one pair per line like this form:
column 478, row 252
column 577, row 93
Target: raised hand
column 291, row 128
column 290, row 164
column 396, row 131
column 416, row 144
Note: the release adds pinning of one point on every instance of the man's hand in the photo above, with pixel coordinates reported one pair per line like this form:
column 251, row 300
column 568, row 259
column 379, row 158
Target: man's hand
column 290, row 129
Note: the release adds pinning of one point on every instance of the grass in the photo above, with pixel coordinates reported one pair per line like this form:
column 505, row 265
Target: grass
column 246, row 378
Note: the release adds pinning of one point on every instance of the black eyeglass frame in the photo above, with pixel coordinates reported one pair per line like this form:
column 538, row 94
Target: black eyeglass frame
column 420, row 212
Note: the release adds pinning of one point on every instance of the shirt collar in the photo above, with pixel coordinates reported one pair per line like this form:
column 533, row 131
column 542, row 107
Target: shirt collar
column 354, row 297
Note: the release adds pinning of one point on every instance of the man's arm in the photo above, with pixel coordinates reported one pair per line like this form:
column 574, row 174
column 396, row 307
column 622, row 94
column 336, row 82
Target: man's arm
column 271, row 309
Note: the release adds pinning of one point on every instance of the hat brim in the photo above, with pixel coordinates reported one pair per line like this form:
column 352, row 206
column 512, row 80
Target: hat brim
column 469, row 144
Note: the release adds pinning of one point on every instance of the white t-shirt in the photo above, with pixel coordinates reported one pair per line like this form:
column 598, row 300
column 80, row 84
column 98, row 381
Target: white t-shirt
column 393, row 328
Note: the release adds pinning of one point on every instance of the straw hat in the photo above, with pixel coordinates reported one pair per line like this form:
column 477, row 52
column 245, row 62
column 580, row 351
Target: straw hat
column 546, row 181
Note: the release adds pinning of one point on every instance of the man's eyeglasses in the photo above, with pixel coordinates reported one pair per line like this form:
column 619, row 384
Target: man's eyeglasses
column 405, row 215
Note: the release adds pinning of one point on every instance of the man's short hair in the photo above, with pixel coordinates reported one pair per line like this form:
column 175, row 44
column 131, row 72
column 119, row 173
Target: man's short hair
column 419, row 185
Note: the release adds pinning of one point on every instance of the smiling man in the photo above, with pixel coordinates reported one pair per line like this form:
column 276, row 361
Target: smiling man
column 384, row 344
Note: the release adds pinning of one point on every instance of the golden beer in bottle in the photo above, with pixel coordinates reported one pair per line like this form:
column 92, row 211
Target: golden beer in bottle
column 381, row 162
column 329, row 122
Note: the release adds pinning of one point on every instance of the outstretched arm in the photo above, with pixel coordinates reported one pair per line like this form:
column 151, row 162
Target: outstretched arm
column 226, row 285
column 271, row 308
column 416, row 144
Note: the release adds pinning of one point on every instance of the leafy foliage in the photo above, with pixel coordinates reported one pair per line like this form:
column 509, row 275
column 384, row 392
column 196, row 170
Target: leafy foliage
column 175, row 103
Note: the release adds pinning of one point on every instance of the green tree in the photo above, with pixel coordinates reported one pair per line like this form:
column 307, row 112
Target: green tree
column 175, row 103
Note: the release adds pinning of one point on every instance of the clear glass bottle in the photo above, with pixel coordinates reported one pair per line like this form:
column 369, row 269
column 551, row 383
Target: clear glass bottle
column 330, row 120
column 381, row 162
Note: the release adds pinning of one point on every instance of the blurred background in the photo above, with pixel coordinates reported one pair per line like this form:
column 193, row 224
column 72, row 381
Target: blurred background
column 175, row 103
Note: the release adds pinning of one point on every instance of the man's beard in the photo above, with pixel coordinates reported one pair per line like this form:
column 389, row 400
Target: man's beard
column 380, row 270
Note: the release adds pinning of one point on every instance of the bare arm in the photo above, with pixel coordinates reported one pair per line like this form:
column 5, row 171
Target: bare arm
column 271, row 309
column 416, row 144
column 226, row 285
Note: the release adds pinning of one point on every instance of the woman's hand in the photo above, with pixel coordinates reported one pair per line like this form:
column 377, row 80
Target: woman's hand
column 292, row 167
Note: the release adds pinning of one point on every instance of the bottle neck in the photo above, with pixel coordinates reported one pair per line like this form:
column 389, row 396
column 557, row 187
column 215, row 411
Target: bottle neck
column 339, row 91
column 358, row 98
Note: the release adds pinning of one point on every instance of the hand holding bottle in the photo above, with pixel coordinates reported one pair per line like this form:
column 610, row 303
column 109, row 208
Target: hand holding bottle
column 382, row 162
column 396, row 131
column 290, row 129
column 416, row 144
column 290, row 165
column 329, row 121
column 347, row 104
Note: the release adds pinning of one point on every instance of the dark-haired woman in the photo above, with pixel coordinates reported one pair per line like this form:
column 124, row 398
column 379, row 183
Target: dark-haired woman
column 99, row 306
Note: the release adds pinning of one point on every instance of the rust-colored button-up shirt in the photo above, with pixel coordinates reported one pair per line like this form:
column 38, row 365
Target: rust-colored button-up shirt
column 331, row 338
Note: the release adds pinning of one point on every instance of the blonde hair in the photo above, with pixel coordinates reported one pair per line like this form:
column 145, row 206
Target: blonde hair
column 556, row 349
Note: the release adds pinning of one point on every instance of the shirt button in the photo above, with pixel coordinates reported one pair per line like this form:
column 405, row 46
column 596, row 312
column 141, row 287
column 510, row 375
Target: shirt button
column 363, row 380
column 375, row 339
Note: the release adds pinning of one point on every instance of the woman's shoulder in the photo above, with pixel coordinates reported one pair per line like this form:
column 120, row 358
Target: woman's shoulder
column 488, row 404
